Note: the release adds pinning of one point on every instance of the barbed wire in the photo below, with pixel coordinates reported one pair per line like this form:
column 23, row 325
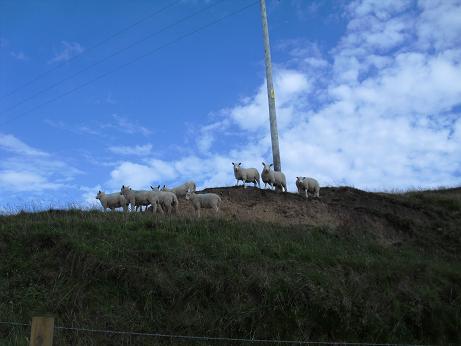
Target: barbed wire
column 214, row 338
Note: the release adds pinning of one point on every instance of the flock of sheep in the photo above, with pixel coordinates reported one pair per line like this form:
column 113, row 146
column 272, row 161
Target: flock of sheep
column 166, row 200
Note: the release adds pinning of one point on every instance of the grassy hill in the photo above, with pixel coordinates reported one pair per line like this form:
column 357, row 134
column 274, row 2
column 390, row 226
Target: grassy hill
column 353, row 266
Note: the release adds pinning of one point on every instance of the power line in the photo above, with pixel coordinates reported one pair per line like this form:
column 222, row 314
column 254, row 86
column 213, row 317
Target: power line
column 180, row 38
column 98, row 44
column 117, row 52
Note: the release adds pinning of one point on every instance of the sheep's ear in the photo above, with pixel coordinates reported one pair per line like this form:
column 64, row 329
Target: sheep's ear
column 233, row 163
column 271, row 165
column 123, row 186
column 158, row 187
column 263, row 164
column 164, row 186
column 240, row 163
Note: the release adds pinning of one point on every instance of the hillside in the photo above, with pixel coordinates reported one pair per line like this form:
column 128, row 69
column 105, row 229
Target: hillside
column 353, row 266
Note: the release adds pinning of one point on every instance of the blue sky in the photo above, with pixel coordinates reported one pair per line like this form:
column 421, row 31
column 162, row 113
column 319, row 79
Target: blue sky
column 368, row 94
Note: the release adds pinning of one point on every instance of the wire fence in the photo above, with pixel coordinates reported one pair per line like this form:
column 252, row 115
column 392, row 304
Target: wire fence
column 209, row 338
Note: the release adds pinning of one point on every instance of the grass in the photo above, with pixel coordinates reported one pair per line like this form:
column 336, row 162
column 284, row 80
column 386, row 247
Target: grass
column 219, row 277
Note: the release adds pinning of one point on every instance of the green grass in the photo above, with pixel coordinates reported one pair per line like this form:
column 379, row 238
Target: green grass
column 219, row 277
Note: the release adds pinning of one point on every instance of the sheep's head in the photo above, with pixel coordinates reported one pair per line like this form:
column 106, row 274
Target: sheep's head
column 155, row 188
column 125, row 190
column 99, row 195
column 267, row 168
column 163, row 188
column 188, row 194
column 237, row 166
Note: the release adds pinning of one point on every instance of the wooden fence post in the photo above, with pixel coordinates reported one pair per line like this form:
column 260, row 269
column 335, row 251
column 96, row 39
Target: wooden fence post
column 42, row 331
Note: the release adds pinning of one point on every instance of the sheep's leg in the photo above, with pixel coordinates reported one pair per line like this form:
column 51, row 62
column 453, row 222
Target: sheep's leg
column 307, row 196
column 237, row 183
column 198, row 212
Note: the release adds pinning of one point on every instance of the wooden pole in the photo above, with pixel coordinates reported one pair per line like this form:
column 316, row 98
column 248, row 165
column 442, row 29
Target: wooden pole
column 270, row 90
column 42, row 331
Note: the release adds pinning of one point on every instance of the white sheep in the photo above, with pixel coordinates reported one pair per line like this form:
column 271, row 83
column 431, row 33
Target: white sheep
column 167, row 200
column 305, row 184
column 246, row 175
column 204, row 200
column 273, row 178
column 112, row 201
column 140, row 197
column 181, row 190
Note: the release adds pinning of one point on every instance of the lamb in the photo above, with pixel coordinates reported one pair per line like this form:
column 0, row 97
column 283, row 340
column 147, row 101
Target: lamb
column 168, row 200
column 273, row 178
column 204, row 200
column 112, row 201
column 140, row 197
column 308, row 185
column 181, row 190
column 246, row 175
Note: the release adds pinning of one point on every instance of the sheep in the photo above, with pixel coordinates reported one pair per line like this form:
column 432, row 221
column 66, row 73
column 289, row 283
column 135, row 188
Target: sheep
column 273, row 178
column 181, row 190
column 246, row 175
column 140, row 197
column 204, row 200
column 308, row 185
column 112, row 201
column 167, row 200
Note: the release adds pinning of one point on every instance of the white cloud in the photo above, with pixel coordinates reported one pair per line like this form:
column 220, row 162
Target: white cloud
column 126, row 126
column 12, row 144
column 138, row 150
column 439, row 24
column 22, row 181
column 88, row 195
column 68, row 51
column 385, row 114
column 27, row 169
column 252, row 113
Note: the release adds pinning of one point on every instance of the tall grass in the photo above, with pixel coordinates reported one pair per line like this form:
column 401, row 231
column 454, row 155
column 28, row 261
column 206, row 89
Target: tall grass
column 220, row 277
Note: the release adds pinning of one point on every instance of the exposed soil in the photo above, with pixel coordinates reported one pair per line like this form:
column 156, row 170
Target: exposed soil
column 388, row 216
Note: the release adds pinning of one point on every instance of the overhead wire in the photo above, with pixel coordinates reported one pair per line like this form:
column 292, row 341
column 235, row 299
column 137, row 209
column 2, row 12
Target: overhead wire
column 96, row 45
column 117, row 52
column 153, row 51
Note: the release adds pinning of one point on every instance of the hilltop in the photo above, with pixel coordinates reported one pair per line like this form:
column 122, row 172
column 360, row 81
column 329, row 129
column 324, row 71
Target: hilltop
column 351, row 266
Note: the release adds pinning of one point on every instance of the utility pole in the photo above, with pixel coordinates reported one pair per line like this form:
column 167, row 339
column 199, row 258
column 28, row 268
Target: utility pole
column 270, row 90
